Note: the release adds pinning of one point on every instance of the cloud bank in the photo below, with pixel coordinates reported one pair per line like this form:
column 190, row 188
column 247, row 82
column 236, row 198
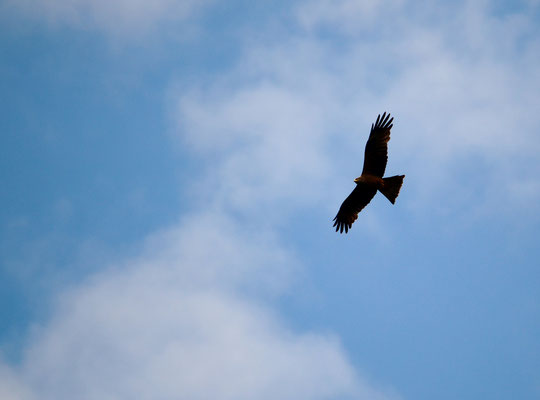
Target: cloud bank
column 463, row 91
column 183, row 321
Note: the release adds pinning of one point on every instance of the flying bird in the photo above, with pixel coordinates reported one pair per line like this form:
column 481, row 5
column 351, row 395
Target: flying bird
column 371, row 180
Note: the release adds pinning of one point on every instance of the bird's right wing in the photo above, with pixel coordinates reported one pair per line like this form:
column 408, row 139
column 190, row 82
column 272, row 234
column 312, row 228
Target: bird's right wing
column 376, row 153
column 357, row 200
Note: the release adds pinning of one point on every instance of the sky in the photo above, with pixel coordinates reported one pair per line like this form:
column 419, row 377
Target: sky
column 170, row 171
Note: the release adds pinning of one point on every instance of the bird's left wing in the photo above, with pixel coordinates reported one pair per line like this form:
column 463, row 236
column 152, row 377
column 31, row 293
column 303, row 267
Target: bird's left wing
column 376, row 153
column 357, row 200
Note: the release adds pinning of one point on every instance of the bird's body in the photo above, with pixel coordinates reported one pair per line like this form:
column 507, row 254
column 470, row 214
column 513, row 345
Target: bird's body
column 371, row 180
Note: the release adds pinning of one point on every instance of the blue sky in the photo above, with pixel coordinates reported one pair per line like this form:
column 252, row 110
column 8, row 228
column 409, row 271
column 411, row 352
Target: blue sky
column 171, row 169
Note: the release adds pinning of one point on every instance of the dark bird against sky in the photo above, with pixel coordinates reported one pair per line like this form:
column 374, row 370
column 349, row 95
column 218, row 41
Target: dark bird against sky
column 371, row 180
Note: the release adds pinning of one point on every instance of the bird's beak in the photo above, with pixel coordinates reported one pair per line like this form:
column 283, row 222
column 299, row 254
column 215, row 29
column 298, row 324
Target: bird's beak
column 357, row 180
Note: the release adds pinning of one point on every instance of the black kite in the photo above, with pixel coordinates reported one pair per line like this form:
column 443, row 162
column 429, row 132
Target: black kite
column 371, row 180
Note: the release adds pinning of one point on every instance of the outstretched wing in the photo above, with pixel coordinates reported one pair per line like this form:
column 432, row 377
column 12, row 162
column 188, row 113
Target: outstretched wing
column 357, row 200
column 376, row 154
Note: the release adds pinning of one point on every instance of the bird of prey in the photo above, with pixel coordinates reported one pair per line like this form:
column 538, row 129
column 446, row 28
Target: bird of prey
column 371, row 180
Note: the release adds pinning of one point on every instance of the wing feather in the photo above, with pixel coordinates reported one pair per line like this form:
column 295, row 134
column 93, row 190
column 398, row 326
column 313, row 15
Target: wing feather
column 376, row 153
column 353, row 204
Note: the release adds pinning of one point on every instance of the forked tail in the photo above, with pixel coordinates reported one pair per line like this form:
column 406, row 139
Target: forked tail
column 391, row 187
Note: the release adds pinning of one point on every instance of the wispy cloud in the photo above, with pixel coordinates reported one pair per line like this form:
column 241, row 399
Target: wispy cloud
column 463, row 91
column 11, row 386
column 348, row 15
column 176, row 323
column 260, row 143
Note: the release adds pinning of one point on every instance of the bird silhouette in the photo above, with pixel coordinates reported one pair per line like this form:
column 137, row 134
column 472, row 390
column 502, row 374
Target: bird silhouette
column 371, row 180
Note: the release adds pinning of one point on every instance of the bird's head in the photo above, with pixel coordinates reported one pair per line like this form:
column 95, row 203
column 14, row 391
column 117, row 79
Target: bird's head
column 359, row 179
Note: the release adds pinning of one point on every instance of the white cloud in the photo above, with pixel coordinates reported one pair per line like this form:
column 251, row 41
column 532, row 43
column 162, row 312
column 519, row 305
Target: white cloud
column 11, row 387
column 176, row 324
column 264, row 144
column 347, row 15
column 463, row 91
